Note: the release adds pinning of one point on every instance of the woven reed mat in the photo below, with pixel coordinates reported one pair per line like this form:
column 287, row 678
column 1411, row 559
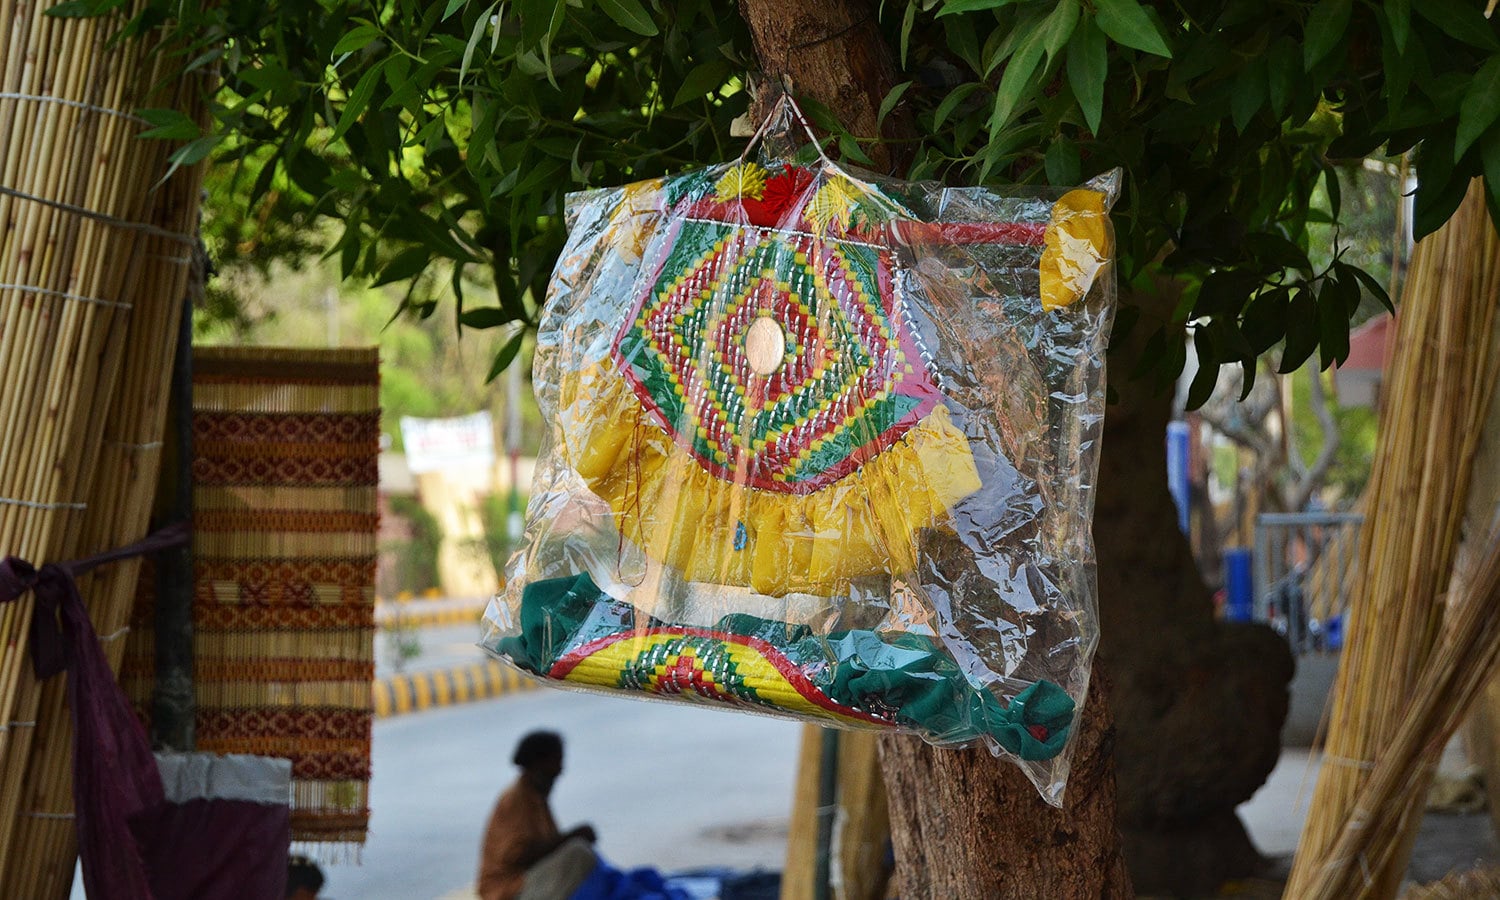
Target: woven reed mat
column 286, row 444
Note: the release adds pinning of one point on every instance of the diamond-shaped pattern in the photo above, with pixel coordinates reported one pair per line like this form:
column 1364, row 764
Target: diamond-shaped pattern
column 851, row 383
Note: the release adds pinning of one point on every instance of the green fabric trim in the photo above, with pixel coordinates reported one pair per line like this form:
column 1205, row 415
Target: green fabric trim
column 906, row 677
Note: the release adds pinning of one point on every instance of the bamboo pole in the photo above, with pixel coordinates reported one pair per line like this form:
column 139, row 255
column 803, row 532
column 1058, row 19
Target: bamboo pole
column 1440, row 381
column 85, row 396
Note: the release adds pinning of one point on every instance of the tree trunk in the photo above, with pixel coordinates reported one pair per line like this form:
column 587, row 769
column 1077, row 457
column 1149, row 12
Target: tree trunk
column 964, row 824
column 968, row 825
column 1198, row 703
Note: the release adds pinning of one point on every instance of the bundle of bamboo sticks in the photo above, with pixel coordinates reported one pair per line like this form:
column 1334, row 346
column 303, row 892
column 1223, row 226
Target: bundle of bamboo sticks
column 1410, row 646
column 92, row 279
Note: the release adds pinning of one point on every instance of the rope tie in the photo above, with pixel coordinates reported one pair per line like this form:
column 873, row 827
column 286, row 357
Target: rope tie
column 32, row 504
column 64, row 295
column 75, row 104
column 107, row 219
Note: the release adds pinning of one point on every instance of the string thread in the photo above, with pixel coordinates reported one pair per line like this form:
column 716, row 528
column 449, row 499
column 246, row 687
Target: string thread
column 76, row 104
column 97, row 216
column 49, row 292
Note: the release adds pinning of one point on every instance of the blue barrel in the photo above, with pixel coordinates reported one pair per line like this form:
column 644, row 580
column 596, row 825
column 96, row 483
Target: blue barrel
column 1239, row 585
column 1179, row 439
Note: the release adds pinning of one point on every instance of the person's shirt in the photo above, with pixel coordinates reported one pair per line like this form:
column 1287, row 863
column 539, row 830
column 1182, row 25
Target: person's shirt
column 520, row 823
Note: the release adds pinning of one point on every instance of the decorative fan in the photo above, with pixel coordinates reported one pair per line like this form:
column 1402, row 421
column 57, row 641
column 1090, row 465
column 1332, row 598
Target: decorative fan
column 786, row 393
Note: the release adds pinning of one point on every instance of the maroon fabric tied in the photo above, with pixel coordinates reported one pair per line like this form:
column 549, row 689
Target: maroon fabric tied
column 115, row 775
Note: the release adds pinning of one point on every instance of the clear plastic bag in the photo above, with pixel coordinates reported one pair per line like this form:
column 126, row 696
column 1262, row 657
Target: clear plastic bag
column 822, row 445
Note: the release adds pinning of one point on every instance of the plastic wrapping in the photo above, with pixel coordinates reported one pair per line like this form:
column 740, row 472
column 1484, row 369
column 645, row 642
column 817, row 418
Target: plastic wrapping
column 822, row 444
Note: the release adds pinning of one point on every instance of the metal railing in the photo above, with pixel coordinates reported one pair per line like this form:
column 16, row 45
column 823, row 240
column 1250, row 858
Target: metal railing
column 1304, row 567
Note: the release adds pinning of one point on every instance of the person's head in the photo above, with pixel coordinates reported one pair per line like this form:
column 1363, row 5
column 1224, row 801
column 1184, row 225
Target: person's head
column 303, row 879
column 540, row 756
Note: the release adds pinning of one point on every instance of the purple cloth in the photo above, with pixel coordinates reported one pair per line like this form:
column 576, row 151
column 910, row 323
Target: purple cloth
column 114, row 772
column 217, row 849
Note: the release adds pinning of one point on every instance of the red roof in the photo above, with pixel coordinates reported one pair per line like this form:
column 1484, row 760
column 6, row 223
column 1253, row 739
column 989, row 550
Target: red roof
column 1369, row 344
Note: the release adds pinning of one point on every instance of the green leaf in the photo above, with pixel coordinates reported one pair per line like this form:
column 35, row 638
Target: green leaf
column 1301, row 330
column 480, row 25
column 1058, row 27
column 78, row 9
column 536, row 20
column 204, row 59
column 1333, row 323
column 170, row 125
column 1283, row 69
column 1480, row 107
column 359, row 100
column 484, row 317
column 1398, row 15
column 1489, row 153
column 849, row 149
column 506, row 356
column 1224, row 292
column 1372, row 287
column 1061, row 162
column 356, row 38
column 951, row 102
column 1461, row 20
column 1265, row 319
column 889, row 103
column 631, row 14
column 453, row 7
column 1249, row 94
column 1126, row 22
column 193, row 153
column 1207, row 376
column 1017, row 82
column 907, row 21
column 1325, row 28
column 1439, row 188
column 962, row 6
column 407, row 264
column 1088, row 65
column 702, row 79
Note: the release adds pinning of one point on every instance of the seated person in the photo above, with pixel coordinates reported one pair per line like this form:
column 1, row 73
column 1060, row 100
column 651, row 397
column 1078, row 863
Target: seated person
column 524, row 856
column 303, row 879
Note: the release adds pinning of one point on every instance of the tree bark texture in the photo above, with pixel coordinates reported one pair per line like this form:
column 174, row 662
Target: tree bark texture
column 968, row 825
column 1198, row 703
column 833, row 51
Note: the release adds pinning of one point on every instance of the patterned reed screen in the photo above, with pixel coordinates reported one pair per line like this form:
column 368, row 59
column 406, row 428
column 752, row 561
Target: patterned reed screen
column 285, row 476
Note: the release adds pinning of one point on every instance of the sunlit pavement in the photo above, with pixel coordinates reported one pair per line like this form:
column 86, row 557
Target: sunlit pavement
column 665, row 785
column 440, row 647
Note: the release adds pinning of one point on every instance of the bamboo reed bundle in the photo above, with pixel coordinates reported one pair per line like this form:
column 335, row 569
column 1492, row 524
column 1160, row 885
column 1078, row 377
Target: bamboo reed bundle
column 1440, row 381
column 44, row 846
column 1476, row 884
column 1372, row 839
column 76, row 251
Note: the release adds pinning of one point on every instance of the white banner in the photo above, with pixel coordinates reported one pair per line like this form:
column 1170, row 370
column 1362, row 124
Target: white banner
column 433, row 444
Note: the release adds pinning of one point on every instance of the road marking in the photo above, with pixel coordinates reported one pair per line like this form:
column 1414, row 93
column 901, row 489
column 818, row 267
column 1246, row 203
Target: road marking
column 396, row 695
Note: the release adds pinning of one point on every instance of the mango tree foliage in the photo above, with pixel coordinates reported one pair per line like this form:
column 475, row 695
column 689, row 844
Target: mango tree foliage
column 442, row 136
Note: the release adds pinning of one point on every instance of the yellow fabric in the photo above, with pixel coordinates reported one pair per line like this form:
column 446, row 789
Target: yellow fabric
column 681, row 515
column 1077, row 245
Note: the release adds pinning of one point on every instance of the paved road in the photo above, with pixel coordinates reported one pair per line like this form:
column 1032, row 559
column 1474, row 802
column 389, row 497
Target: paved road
column 665, row 785
column 438, row 647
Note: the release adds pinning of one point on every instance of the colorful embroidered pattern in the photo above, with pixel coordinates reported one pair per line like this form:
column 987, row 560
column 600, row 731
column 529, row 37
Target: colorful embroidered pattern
column 571, row 631
column 697, row 663
column 285, row 477
column 851, row 382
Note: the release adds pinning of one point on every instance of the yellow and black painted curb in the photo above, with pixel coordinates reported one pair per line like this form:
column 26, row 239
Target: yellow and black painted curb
column 409, row 617
column 414, row 691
